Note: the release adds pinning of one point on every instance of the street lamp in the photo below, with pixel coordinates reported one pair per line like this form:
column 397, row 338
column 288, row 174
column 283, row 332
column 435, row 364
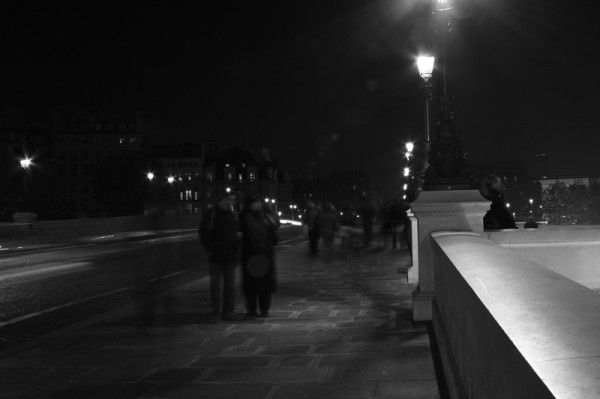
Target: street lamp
column 25, row 164
column 228, row 190
column 409, row 149
column 292, row 207
column 274, row 203
column 150, row 176
column 170, row 179
column 425, row 65
column 406, row 172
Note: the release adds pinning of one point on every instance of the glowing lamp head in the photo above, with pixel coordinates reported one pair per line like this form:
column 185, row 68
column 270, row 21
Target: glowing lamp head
column 25, row 163
column 425, row 65
column 406, row 172
column 410, row 147
column 150, row 176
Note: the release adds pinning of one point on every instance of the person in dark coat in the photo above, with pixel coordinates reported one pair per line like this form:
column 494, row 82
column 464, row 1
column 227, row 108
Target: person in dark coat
column 498, row 217
column 258, row 227
column 312, row 222
column 328, row 224
column 367, row 217
column 220, row 237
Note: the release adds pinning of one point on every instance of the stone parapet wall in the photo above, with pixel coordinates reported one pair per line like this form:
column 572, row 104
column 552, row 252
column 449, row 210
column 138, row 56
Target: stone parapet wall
column 508, row 327
column 573, row 251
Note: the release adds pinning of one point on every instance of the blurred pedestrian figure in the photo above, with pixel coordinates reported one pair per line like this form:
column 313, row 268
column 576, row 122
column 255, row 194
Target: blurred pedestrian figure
column 311, row 221
column 498, row 217
column 392, row 223
column 219, row 232
column 258, row 227
column 328, row 224
column 367, row 217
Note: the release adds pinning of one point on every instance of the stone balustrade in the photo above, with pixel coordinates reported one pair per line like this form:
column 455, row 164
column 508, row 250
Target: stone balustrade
column 573, row 251
column 508, row 327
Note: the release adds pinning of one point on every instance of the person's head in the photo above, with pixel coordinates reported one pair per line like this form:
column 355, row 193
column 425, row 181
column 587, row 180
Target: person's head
column 254, row 203
column 226, row 201
column 491, row 182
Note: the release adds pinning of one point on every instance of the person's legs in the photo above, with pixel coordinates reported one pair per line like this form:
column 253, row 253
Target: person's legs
column 250, row 292
column 216, row 277
column 264, row 295
column 228, row 288
column 313, row 236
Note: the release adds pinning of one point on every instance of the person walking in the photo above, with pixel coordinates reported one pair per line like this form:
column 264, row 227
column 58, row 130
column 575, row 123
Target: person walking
column 328, row 225
column 311, row 221
column 258, row 227
column 220, row 237
column 367, row 217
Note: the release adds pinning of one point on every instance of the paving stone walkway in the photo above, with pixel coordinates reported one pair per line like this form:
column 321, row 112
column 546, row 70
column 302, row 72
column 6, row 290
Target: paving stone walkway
column 340, row 327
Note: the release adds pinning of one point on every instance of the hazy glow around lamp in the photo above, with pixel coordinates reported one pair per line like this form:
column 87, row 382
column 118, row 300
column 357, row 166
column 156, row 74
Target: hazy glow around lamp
column 425, row 65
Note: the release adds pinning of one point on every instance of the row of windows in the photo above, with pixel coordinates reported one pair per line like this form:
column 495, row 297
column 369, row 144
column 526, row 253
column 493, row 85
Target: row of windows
column 76, row 187
column 73, row 169
column 229, row 175
column 98, row 140
column 98, row 126
column 84, row 155
column 182, row 164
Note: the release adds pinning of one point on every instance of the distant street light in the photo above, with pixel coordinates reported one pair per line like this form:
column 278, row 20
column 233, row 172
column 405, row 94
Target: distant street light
column 150, row 176
column 406, row 172
column 170, row 179
column 425, row 65
column 228, row 190
column 25, row 164
column 409, row 149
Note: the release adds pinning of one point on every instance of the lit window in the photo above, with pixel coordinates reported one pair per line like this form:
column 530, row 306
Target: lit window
column 252, row 176
column 132, row 140
column 229, row 176
column 121, row 140
column 240, row 177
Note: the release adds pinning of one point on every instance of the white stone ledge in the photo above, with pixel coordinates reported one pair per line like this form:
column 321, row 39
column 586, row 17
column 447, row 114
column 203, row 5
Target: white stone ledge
column 573, row 251
column 514, row 328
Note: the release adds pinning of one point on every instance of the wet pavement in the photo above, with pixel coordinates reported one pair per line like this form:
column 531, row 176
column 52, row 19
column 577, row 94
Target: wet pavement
column 340, row 327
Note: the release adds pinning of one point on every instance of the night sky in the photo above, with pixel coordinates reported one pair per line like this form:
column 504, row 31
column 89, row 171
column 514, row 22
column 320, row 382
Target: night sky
column 327, row 85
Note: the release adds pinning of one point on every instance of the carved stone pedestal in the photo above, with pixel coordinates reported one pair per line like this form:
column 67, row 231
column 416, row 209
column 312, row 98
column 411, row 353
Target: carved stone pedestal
column 457, row 210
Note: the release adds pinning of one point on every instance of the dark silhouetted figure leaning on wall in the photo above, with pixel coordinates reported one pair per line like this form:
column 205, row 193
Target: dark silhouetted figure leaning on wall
column 498, row 217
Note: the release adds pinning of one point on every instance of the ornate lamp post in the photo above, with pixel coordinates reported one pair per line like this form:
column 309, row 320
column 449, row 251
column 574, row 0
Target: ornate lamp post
column 425, row 65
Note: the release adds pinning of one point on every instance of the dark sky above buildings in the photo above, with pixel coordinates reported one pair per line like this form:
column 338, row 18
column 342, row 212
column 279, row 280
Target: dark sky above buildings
column 327, row 84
